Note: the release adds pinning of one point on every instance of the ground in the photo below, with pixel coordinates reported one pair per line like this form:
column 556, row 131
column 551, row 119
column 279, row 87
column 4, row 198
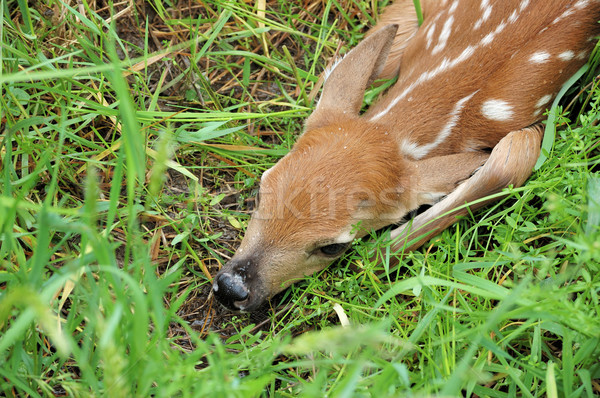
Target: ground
column 133, row 138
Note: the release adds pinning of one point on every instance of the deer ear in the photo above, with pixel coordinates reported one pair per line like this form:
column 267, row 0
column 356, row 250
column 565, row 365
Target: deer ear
column 346, row 83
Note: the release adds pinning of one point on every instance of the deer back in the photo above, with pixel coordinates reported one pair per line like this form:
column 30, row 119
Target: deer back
column 478, row 69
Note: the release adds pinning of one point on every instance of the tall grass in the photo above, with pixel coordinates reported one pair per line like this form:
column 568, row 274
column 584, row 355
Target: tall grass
column 133, row 136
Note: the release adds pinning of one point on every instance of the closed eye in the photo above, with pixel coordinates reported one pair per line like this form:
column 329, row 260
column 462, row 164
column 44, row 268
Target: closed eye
column 333, row 250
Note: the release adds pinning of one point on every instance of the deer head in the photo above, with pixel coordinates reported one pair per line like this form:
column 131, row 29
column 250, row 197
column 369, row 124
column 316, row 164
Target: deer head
column 475, row 76
column 344, row 177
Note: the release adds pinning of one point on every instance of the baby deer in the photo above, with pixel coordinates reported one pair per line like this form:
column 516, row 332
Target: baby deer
column 462, row 122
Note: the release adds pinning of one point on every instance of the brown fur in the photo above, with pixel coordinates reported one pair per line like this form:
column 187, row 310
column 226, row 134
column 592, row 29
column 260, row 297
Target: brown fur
column 499, row 70
column 325, row 187
column 350, row 173
column 510, row 163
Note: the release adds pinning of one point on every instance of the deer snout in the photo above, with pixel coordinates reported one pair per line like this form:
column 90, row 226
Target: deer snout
column 237, row 287
column 230, row 290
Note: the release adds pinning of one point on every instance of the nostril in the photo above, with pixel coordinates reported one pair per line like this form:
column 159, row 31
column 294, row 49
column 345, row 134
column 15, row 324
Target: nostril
column 230, row 288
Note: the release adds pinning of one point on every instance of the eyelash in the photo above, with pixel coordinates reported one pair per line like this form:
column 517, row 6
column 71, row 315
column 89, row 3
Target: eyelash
column 333, row 250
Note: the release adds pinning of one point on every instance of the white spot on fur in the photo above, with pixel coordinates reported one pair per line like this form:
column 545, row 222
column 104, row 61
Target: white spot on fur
column 566, row 55
column 487, row 39
column 444, row 35
column 582, row 55
column 345, row 237
column 419, row 152
column 500, row 28
column 564, row 15
column 498, row 110
column 543, row 101
column 539, row 57
column 453, row 7
column 487, row 12
column 577, row 6
column 541, row 105
column 466, row 54
column 523, row 5
column 513, row 17
column 410, row 148
column 445, row 64
column 429, row 35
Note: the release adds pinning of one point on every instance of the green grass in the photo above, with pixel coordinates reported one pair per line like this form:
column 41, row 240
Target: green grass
column 129, row 161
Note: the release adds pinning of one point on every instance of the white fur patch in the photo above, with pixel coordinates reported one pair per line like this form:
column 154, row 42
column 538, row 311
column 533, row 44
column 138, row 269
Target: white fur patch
column 541, row 105
column 564, row 15
column 497, row 110
column 465, row 54
column 487, row 39
column 453, row 7
column 447, row 63
column 582, row 55
column 543, row 101
column 410, row 148
column 429, row 35
column 523, row 5
column 577, row 6
column 539, row 57
column 500, row 27
column 566, row 55
column 419, row 152
column 487, row 12
column 345, row 237
column 444, row 35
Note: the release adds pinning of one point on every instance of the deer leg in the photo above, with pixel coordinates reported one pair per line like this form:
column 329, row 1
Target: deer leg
column 510, row 163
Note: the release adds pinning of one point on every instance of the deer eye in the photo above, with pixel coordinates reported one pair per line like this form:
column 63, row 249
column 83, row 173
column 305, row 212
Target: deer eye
column 333, row 250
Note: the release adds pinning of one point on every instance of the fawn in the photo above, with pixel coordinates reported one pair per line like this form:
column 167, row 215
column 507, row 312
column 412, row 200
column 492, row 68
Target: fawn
column 462, row 122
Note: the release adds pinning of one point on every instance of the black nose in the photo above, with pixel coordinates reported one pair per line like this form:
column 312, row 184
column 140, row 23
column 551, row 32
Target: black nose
column 229, row 289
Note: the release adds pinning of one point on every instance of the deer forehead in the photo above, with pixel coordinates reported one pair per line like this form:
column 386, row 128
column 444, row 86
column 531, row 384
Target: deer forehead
column 332, row 179
column 343, row 155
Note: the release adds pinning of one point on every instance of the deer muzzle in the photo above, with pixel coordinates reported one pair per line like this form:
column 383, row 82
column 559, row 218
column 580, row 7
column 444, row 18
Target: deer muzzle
column 237, row 287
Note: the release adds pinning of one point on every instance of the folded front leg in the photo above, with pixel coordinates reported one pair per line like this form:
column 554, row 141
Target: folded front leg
column 510, row 163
